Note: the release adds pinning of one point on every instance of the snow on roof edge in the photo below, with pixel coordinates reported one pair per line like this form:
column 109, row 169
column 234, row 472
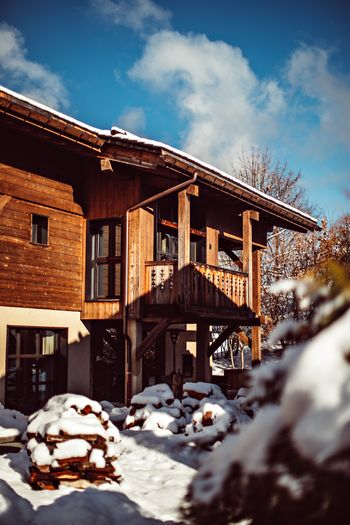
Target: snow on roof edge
column 222, row 174
column 55, row 112
column 127, row 136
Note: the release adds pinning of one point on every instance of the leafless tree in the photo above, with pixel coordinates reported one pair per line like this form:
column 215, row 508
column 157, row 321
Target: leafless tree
column 281, row 259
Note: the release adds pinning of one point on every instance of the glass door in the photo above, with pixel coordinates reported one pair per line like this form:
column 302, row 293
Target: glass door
column 36, row 367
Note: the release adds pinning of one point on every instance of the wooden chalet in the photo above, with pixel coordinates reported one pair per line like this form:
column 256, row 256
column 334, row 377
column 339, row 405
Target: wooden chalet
column 107, row 241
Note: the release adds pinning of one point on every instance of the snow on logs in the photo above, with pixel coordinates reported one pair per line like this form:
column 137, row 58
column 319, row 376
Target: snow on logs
column 209, row 412
column 156, row 409
column 71, row 440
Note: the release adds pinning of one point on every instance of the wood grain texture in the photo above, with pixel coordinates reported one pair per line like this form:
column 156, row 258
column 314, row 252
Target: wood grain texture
column 36, row 276
column 101, row 310
column 37, row 189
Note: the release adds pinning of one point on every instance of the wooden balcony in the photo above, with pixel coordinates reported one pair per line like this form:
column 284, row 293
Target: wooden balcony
column 197, row 286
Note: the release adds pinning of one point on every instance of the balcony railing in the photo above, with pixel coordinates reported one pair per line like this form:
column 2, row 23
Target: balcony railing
column 196, row 285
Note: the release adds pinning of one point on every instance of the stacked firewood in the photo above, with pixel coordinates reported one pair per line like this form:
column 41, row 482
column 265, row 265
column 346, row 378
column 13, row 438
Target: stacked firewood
column 211, row 415
column 156, row 409
column 194, row 394
column 71, row 441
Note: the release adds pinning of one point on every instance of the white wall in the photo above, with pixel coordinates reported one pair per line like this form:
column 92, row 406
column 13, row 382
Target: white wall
column 78, row 342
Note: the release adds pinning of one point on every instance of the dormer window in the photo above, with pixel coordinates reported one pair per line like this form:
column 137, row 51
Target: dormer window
column 104, row 259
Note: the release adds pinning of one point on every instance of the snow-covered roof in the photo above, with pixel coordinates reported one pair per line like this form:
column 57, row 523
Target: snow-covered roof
column 122, row 136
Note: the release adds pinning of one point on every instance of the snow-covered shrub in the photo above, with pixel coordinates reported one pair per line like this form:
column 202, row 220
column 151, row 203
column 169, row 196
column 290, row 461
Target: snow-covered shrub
column 291, row 464
column 156, row 409
column 12, row 424
column 71, row 439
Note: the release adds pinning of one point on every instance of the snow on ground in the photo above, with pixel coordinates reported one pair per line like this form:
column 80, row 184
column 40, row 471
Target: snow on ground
column 156, row 465
column 156, row 473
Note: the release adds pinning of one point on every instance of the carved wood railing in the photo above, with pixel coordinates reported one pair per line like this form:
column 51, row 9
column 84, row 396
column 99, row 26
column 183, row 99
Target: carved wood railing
column 161, row 282
column 197, row 285
column 217, row 287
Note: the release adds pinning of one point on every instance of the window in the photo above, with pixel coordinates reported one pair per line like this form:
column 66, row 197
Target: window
column 104, row 259
column 40, row 229
column 36, row 366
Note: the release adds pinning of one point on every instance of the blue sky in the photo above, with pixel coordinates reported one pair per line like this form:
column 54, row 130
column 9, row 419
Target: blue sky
column 209, row 77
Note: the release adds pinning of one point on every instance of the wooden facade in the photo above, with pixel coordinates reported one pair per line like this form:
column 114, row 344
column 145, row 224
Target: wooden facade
column 133, row 231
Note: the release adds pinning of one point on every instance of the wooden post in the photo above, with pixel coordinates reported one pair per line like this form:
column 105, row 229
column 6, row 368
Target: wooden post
column 212, row 241
column 141, row 236
column 248, row 216
column 256, row 330
column 183, row 229
column 135, row 335
column 184, row 254
column 212, row 246
column 203, row 370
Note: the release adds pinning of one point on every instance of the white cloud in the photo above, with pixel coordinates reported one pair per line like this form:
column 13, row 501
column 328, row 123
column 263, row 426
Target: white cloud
column 30, row 78
column 138, row 15
column 308, row 71
column 133, row 119
column 226, row 106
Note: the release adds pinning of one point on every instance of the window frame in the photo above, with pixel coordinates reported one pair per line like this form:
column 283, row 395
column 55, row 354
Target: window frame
column 35, row 241
column 94, row 261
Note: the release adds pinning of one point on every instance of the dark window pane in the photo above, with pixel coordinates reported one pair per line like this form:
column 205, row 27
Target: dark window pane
column 103, row 241
column 118, row 240
column 103, row 254
column 102, row 280
column 39, row 229
column 117, row 279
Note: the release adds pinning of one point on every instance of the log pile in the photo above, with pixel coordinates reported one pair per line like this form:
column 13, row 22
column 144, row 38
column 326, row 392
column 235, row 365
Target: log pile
column 156, row 409
column 194, row 394
column 211, row 415
column 71, row 441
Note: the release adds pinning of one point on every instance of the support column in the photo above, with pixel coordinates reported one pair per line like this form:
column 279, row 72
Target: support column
column 203, row 369
column 247, row 217
column 212, row 241
column 184, row 253
column 183, row 229
column 256, row 330
column 133, row 383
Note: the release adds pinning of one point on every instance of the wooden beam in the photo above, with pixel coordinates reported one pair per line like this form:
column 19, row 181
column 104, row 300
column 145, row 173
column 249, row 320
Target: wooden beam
column 152, row 336
column 106, row 164
column 256, row 306
column 212, row 246
column 247, row 254
column 230, row 236
column 183, row 229
column 234, row 258
column 257, row 281
column 203, row 370
column 243, row 336
column 4, row 199
column 193, row 190
column 248, row 216
column 184, row 253
column 221, row 339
